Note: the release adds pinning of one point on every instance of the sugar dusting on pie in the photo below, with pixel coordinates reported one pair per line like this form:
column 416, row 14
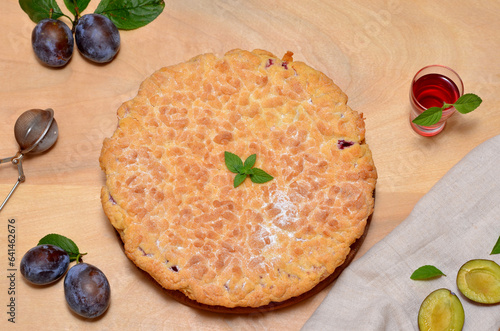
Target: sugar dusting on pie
column 171, row 198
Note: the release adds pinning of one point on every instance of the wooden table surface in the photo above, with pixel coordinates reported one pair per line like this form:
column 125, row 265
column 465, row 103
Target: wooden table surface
column 371, row 49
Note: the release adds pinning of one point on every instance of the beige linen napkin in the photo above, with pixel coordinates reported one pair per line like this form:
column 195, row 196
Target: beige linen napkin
column 456, row 221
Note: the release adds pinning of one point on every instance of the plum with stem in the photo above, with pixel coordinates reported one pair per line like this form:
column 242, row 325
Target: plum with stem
column 52, row 42
column 97, row 38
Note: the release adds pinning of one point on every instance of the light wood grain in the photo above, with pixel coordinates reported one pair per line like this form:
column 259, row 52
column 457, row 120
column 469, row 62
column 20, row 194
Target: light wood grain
column 371, row 49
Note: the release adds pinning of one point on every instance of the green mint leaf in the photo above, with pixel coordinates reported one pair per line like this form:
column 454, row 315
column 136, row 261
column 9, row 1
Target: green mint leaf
column 247, row 171
column 250, row 161
column 233, row 162
column 496, row 248
column 430, row 116
column 426, row 272
column 238, row 179
column 260, row 176
column 38, row 10
column 130, row 14
column 235, row 165
column 467, row 103
column 65, row 243
column 76, row 6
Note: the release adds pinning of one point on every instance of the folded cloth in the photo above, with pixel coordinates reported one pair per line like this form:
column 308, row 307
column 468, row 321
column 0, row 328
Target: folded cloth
column 456, row 221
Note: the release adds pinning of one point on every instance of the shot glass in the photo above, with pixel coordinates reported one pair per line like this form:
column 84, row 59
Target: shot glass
column 431, row 87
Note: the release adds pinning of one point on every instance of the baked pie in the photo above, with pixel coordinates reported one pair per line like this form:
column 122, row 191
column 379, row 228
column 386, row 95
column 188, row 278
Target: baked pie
column 171, row 197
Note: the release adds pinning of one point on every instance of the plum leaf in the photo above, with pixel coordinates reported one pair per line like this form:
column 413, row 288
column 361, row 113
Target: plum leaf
column 426, row 272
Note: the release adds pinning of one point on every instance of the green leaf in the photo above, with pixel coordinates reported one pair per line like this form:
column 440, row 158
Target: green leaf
column 65, row 243
column 238, row 179
column 233, row 162
column 130, row 14
column 467, row 103
column 250, row 161
column 430, row 116
column 79, row 5
column 247, row 171
column 235, row 165
column 260, row 176
column 426, row 272
column 38, row 10
column 496, row 248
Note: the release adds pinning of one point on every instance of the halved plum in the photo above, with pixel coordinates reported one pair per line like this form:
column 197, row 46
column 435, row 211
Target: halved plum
column 479, row 281
column 441, row 310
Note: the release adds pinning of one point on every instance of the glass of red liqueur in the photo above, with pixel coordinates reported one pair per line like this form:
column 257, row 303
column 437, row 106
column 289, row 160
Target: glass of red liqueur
column 430, row 87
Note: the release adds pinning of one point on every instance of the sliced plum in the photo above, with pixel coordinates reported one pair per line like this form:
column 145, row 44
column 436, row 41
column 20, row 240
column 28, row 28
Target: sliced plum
column 479, row 281
column 441, row 310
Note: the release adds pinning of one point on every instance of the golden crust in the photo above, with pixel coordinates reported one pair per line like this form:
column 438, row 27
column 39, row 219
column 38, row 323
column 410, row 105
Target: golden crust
column 170, row 195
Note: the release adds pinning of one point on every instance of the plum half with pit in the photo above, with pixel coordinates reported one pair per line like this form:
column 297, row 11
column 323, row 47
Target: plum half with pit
column 479, row 281
column 441, row 310
column 52, row 42
column 97, row 38
column 44, row 264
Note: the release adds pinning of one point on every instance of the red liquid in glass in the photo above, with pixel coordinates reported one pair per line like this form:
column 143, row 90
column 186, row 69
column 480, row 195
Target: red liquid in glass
column 433, row 89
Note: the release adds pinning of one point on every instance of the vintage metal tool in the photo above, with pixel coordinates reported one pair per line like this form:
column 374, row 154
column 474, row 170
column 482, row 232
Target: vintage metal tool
column 35, row 131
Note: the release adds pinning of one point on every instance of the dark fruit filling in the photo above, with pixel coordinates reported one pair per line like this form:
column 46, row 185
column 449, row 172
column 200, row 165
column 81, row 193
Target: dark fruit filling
column 341, row 144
